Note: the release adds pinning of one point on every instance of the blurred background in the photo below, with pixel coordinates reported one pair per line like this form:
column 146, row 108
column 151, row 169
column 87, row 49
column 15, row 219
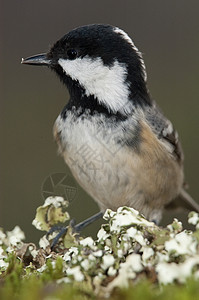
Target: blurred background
column 167, row 32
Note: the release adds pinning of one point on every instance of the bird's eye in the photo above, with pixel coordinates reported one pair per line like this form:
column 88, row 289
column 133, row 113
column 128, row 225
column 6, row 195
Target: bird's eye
column 72, row 53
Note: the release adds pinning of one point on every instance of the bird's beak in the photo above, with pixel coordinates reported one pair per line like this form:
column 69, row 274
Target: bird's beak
column 37, row 60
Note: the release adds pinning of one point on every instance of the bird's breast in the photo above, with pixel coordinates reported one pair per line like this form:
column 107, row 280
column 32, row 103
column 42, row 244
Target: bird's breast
column 93, row 148
column 113, row 171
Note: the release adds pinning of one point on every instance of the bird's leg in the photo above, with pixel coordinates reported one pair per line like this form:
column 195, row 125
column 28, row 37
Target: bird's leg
column 88, row 221
column 77, row 228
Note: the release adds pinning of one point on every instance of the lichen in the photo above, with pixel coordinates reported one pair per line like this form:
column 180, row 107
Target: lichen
column 128, row 249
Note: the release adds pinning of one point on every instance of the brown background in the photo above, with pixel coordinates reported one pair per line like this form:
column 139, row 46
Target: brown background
column 167, row 32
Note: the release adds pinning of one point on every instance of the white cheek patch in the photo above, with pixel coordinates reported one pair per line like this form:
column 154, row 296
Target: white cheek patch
column 129, row 40
column 107, row 84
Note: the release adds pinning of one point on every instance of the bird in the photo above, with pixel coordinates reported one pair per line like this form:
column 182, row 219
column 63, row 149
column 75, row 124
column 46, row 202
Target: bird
column 112, row 135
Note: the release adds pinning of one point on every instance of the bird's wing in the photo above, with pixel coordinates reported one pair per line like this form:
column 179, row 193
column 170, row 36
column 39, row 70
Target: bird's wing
column 165, row 131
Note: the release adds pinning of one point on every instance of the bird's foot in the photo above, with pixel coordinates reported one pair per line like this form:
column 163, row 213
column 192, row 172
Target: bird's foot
column 75, row 228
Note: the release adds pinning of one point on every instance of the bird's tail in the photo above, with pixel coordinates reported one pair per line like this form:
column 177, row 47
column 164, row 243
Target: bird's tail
column 183, row 201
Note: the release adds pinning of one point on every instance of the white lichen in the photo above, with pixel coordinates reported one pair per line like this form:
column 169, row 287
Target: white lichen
column 15, row 236
column 102, row 234
column 169, row 272
column 107, row 261
column 148, row 252
column 182, row 243
column 44, row 242
column 193, row 218
column 136, row 235
column 87, row 242
column 76, row 273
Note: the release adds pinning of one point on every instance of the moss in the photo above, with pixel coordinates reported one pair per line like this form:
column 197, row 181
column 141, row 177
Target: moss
column 145, row 290
column 33, row 288
column 53, row 273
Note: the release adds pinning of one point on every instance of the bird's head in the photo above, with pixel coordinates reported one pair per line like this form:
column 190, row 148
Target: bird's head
column 99, row 62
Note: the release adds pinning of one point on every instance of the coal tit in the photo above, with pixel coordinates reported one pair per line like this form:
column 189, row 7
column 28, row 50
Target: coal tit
column 117, row 143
